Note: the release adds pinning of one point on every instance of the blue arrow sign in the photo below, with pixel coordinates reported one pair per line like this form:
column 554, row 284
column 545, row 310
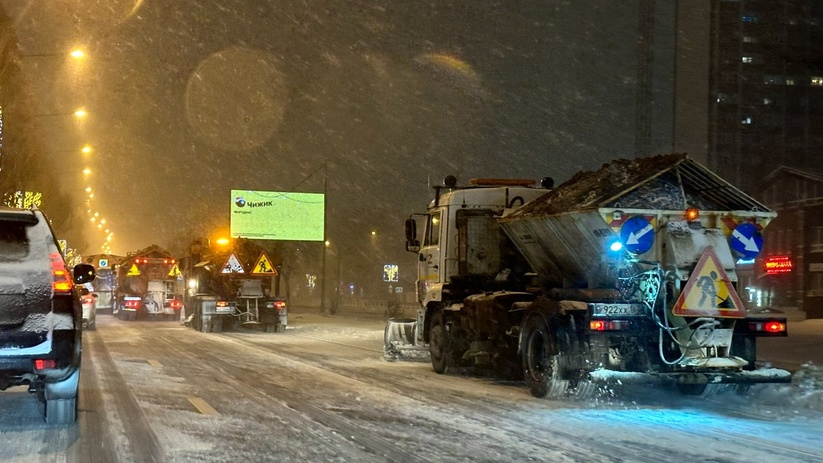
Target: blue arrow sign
column 637, row 235
column 746, row 240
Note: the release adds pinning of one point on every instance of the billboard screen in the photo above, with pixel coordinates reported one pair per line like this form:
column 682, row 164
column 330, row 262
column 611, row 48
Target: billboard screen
column 271, row 215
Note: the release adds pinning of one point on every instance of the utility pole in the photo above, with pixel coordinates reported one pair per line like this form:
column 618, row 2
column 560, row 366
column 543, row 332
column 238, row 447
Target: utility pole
column 323, row 308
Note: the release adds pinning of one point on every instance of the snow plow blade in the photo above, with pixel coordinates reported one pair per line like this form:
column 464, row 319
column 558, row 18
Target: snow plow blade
column 399, row 341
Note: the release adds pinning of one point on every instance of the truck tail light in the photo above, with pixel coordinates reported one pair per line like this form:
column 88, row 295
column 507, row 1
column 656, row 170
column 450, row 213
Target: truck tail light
column 222, row 303
column 61, row 280
column 609, row 325
column 175, row 304
column 132, row 304
column 279, row 305
column 768, row 327
column 45, row 364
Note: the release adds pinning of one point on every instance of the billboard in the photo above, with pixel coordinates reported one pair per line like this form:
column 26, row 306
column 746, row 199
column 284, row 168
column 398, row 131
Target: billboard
column 272, row 215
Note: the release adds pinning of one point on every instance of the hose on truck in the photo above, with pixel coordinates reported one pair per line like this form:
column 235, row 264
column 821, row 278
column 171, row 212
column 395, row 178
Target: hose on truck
column 655, row 277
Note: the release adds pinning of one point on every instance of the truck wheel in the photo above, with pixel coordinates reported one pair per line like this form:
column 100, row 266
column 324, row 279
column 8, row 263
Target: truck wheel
column 540, row 360
column 439, row 344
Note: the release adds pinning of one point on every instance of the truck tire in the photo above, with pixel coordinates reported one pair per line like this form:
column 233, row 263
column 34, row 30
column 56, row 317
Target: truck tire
column 540, row 359
column 441, row 354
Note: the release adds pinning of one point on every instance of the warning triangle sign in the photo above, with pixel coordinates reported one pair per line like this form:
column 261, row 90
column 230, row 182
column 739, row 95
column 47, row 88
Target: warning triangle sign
column 133, row 271
column 232, row 265
column 709, row 292
column 175, row 271
column 264, row 266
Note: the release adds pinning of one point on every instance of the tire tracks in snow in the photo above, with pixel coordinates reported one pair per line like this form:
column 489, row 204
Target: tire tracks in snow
column 400, row 384
column 338, row 435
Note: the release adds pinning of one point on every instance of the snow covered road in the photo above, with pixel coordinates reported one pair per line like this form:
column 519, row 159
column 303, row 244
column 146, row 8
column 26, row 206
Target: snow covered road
column 156, row 391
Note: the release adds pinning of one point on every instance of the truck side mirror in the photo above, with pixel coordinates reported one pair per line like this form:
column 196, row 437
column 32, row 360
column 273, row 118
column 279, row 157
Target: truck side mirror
column 412, row 244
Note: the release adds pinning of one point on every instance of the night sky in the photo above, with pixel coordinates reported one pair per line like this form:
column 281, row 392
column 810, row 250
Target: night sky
column 190, row 99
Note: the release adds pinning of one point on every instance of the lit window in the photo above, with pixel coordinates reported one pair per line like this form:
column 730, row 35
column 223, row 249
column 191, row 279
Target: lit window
column 746, row 121
column 817, row 81
column 767, row 101
column 747, row 59
column 748, row 39
column 790, row 81
column 749, row 18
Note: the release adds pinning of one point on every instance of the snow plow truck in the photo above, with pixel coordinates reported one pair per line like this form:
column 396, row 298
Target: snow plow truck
column 149, row 286
column 624, row 274
column 232, row 286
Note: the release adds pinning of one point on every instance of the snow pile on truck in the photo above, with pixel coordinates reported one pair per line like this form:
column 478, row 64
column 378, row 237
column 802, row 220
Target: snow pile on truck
column 629, row 269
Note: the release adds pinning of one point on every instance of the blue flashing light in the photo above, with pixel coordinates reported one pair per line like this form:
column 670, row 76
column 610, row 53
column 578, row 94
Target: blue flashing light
column 616, row 246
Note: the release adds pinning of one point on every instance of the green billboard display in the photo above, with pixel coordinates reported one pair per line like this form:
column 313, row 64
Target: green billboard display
column 272, row 215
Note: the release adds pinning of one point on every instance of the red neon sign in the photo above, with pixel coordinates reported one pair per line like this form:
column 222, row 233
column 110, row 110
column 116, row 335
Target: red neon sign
column 778, row 264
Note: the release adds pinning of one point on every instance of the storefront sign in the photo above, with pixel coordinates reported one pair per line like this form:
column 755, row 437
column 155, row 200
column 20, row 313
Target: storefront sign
column 778, row 264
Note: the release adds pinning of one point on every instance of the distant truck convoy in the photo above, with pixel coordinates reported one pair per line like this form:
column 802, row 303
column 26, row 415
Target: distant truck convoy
column 625, row 272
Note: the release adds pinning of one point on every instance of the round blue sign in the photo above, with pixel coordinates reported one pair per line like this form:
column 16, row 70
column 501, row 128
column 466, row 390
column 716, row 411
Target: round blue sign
column 637, row 235
column 747, row 240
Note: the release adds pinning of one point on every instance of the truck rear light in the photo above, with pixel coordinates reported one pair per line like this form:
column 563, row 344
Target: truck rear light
column 132, row 304
column 222, row 303
column 279, row 305
column 175, row 304
column 609, row 325
column 60, row 276
column 767, row 327
column 45, row 364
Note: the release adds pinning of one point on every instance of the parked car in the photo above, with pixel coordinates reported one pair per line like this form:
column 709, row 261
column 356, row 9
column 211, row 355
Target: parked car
column 40, row 314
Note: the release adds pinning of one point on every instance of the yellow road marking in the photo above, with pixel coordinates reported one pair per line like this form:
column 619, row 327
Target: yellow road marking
column 202, row 406
column 155, row 363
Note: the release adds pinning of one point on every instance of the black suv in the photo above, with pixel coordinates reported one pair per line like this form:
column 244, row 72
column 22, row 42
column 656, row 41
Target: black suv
column 40, row 314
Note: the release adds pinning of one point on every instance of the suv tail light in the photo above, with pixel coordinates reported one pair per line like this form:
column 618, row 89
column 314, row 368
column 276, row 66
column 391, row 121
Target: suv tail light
column 132, row 304
column 45, row 364
column 61, row 280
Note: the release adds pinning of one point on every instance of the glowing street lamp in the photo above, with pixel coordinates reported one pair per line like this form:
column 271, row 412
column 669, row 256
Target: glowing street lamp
column 86, row 149
column 81, row 113
column 77, row 53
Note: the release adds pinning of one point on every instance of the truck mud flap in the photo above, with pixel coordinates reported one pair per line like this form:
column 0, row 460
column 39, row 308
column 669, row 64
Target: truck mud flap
column 399, row 341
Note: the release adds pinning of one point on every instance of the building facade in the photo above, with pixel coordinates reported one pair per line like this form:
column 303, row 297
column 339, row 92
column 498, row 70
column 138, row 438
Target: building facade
column 789, row 270
column 766, row 88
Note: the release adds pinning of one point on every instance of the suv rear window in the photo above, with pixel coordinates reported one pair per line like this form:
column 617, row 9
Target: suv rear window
column 14, row 243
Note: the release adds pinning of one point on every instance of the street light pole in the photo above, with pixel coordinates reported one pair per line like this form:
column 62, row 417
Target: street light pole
column 323, row 308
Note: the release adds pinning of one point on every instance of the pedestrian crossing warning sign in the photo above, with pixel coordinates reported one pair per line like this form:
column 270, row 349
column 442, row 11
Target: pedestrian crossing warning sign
column 709, row 292
column 175, row 271
column 264, row 266
column 232, row 265
column 133, row 271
